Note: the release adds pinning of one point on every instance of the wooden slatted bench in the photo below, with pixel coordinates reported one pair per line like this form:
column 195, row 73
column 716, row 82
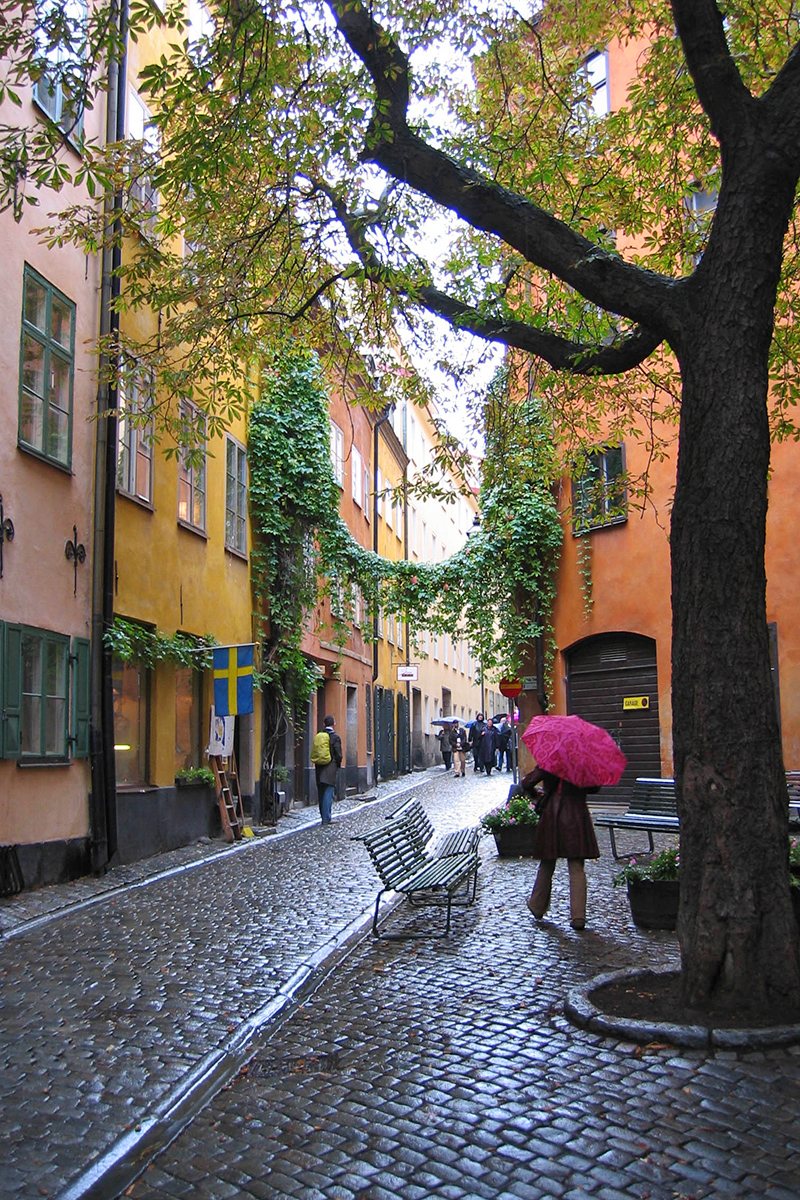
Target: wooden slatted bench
column 652, row 809
column 400, row 851
column 460, row 841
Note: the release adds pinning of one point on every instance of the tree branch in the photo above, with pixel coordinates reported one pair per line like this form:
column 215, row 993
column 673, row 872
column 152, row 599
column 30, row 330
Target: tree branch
column 601, row 277
column 625, row 352
column 719, row 87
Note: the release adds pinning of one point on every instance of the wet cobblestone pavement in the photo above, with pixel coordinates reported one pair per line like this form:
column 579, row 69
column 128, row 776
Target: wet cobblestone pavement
column 434, row 1067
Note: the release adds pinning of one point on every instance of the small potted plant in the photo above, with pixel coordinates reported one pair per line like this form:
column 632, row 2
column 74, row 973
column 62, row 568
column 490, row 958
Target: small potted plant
column 194, row 777
column 512, row 825
column 653, row 888
column 794, row 876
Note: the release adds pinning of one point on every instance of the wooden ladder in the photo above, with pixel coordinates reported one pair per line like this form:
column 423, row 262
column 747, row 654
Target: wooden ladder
column 230, row 801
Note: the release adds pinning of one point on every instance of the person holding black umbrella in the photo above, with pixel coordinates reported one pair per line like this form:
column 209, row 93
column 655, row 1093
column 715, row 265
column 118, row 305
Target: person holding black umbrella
column 476, row 732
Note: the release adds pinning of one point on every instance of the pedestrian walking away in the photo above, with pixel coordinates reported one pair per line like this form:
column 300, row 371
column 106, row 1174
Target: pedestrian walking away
column 445, row 746
column 564, row 830
column 327, row 761
column 477, row 730
column 459, row 742
column 504, row 744
column 488, row 750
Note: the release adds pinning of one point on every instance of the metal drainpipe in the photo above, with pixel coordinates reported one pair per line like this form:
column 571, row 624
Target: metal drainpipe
column 376, row 728
column 408, row 646
column 104, row 842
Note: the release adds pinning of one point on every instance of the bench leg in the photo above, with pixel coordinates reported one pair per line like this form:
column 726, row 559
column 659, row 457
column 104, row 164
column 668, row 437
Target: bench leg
column 651, row 849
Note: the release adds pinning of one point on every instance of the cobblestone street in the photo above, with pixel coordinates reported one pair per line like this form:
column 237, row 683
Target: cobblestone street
column 433, row 1067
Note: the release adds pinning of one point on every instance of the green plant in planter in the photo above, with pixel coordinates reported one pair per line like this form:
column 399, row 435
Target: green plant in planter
column 665, row 865
column 517, row 810
column 794, row 862
column 195, row 775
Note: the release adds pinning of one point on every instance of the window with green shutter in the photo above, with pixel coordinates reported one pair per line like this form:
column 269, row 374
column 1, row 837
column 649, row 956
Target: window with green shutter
column 81, row 698
column 11, row 689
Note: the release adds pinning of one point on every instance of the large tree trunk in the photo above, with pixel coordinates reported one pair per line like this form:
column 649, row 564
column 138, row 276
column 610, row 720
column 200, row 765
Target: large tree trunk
column 738, row 937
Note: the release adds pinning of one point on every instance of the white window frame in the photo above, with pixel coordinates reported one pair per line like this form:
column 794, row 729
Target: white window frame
column 337, row 453
column 595, row 69
column 136, row 437
column 140, row 129
column 65, row 62
column 236, row 488
column 357, row 477
column 192, row 474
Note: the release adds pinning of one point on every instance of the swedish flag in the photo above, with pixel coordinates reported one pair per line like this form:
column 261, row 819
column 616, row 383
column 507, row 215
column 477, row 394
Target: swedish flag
column 233, row 680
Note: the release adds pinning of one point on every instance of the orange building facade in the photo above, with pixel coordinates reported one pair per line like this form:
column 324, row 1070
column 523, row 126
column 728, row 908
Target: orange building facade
column 611, row 645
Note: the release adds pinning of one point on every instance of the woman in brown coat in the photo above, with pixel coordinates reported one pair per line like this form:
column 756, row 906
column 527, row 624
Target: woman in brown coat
column 564, row 830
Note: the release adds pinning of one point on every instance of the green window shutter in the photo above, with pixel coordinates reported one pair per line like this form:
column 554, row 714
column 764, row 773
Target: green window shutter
column 81, row 697
column 12, row 689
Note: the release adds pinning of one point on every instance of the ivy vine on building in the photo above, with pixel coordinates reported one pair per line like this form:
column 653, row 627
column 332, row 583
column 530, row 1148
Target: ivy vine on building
column 495, row 593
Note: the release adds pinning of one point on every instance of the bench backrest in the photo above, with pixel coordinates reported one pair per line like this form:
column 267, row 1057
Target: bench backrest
column 393, row 851
column 654, row 797
column 413, row 816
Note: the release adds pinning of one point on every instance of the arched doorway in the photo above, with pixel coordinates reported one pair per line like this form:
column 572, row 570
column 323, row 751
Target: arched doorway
column 612, row 680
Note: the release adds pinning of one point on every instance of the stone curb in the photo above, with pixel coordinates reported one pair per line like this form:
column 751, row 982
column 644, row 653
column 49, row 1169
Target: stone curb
column 118, row 1167
column 580, row 1009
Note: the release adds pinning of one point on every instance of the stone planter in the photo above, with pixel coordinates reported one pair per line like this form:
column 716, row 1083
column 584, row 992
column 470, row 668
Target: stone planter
column 654, row 902
column 514, row 841
column 795, row 893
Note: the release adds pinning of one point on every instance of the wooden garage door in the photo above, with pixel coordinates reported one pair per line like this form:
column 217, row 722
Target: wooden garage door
column 604, row 671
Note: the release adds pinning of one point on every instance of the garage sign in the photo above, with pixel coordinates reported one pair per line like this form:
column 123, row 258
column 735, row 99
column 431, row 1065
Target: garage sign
column 635, row 702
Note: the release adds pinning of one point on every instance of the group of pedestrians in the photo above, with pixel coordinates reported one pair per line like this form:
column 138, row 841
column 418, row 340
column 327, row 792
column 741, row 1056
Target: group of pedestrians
column 490, row 742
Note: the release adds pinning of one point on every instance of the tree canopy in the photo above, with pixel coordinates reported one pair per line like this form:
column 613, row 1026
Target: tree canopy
column 643, row 262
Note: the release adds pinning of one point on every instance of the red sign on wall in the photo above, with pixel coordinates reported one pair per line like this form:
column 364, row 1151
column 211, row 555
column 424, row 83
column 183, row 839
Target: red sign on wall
column 510, row 688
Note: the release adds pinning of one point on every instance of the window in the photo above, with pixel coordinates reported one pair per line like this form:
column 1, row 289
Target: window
column 44, row 687
column 389, row 508
column 145, row 159
column 366, row 494
column 398, row 518
column 436, row 646
column 390, row 628
column 201, row 27
column 337, row 453
column 192, row 469
column 446, row 650
column 135, row 462
column 701, row 204
column 235, row 496
column 188, row 718
column 357, row 477
column 598, row 496
column 597, row 93
column 131, row 717
column 43, row 725
column 61, row 45
column 47, row 367
column 379, row 493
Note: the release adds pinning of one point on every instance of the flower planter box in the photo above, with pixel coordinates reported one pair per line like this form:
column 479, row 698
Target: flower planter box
column 654, row 902
column 514, row 841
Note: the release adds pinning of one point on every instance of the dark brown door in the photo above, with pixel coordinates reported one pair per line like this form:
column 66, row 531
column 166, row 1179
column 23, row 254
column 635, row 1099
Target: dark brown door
column 603, row 673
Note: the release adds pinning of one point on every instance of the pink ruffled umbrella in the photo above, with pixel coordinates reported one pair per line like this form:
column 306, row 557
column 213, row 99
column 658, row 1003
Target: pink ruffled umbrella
column 575, row 750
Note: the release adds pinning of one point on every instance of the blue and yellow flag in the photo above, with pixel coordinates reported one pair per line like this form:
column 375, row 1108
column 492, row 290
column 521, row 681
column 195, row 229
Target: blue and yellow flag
column 233, row 680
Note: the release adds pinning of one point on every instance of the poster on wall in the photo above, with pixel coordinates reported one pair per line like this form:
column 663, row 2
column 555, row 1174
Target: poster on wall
column 220, row 739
